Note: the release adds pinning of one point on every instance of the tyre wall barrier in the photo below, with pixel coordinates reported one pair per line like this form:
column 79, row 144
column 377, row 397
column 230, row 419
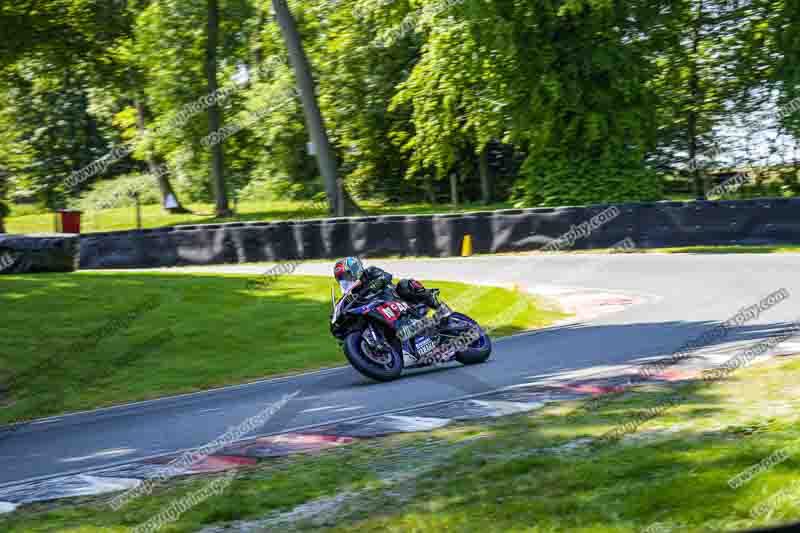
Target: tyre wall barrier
column 23, row 254
column 649, row 225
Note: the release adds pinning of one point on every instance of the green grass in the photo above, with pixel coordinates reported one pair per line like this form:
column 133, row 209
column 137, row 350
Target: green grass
column 720, row 249
column 153, row 216
column 534, row 472
column 221, row 333
column 730, row 249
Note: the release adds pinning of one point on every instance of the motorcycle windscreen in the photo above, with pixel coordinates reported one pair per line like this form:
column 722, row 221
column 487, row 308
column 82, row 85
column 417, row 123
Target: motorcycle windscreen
column 346, row 285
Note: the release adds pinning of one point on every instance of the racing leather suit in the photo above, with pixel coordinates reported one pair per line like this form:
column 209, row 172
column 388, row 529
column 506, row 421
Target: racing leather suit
column 410, row 290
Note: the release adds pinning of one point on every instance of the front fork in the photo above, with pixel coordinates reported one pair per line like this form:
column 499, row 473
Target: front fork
column 374, row 339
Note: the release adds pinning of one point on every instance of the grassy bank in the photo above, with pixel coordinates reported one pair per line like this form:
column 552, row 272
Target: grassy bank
column 536, row 472
column 153, row 216
column 731, row 249
column 92, row 339
column 721, row 249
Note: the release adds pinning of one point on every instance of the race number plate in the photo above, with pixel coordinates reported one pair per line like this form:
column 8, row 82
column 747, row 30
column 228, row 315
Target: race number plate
column 391, row 311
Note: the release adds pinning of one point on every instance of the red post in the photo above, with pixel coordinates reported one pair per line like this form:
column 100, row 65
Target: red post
column 69, row 221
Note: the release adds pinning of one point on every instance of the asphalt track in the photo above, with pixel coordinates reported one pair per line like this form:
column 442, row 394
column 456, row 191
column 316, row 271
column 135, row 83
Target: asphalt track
column 683, row 296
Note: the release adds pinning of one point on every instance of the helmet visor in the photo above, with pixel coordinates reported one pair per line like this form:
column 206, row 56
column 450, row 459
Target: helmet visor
column 355, row 268
column 347, row 272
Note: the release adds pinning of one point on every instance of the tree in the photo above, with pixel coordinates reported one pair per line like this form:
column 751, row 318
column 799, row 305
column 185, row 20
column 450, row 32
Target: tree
column 91, row 51
column 709, row 80
column 308, row 95
column 214, row 115
column 156, row 164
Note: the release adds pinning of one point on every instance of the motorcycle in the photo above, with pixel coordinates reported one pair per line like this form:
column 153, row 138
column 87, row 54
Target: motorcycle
column 381, row 334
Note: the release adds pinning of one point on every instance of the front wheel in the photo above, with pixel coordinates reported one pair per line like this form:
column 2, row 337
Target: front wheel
column 379, row 364
column 477, row 352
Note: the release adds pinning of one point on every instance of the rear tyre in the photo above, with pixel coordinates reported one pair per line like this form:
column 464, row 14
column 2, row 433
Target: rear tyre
column 389, row 368
column 477, row 352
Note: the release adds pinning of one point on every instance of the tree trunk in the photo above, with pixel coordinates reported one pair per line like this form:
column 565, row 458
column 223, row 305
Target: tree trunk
column 155, row 163
column 486, row 180
column 454, row 190
column 350, row 206
column 214, row 115
column 694, row 89
column 3, row 177
column 429, row 194
column 258, row 47
column 313, row 117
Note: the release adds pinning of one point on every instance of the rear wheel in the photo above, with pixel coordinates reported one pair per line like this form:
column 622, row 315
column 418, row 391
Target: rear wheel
column 480, row 349
column 379, row 363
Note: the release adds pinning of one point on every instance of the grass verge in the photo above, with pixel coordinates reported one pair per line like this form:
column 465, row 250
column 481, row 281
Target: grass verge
column 87, row 340
column 730, row 249
column 153, row 216
column 721, row 249
column 542, row 471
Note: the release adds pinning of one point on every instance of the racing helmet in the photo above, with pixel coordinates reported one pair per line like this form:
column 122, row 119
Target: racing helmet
column 347, row 271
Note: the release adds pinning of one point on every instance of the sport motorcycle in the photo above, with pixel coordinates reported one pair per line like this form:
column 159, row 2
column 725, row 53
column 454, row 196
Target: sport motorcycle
column 381, row 334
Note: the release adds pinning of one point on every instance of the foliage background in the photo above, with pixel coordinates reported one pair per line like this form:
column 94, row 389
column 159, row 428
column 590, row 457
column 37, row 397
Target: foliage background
column 538, row 102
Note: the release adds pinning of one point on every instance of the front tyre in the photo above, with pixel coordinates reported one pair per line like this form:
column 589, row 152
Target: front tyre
column 379, row 365
column 477, row 352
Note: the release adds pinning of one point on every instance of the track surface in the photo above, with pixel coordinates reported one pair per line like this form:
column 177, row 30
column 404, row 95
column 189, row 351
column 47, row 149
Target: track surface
column 688, row 294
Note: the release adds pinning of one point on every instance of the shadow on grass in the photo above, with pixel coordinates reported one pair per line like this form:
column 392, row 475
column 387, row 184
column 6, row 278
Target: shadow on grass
column 531, row 471
column 78, row 343
column 542, row 469
column 214, row 332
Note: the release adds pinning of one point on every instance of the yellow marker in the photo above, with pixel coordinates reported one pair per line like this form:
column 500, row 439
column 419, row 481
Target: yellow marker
column 466, row 245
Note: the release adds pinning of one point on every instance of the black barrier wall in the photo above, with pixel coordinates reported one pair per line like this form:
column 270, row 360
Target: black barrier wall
column 23, row 254
column 649, row 225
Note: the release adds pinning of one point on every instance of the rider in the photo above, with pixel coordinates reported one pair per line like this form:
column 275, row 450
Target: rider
column 350, row 269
